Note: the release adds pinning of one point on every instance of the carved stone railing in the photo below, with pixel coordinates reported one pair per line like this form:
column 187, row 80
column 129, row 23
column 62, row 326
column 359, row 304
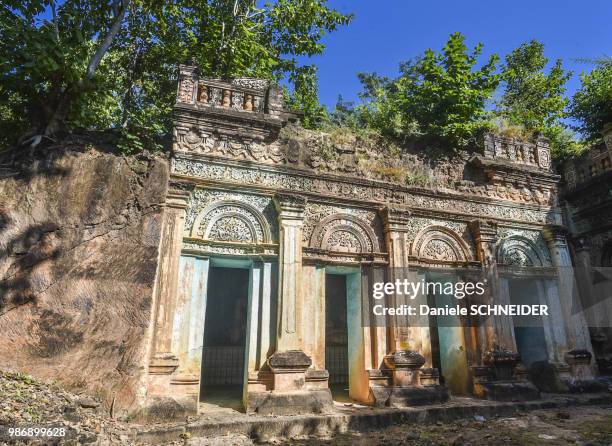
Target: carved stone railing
column 241, row 94
column 529, row 153
column 591, row 165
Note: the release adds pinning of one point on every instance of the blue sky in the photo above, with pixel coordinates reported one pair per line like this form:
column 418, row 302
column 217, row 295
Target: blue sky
column 385, row 32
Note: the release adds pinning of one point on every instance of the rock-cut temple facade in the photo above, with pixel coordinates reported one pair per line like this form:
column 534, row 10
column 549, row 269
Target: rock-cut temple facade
column 269, row 251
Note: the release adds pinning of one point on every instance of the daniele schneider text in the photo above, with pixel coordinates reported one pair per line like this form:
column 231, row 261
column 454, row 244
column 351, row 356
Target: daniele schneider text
column 460, row 290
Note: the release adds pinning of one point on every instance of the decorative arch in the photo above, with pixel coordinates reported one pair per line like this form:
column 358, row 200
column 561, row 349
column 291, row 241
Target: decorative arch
column 232, row 221
column 344, row 233
column 519, row 251
column 440, row 243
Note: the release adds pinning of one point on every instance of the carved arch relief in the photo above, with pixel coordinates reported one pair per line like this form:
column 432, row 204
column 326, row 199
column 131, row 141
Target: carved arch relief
column 231, row 221
column 344, row 233
column 519, row 251
column 440, row 243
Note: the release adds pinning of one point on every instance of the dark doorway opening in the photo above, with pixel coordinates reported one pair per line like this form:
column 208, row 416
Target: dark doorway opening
column 223, row 356
column 435, row 339
column 336, row 336
column 528, row 330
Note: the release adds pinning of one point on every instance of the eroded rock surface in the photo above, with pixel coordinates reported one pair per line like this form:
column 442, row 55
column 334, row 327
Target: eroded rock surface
column 79, row 236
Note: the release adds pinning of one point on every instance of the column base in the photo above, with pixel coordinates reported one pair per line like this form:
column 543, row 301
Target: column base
column 293, row 389
column 487, row 385
column 581, row 377
column 383, row 393
column 510, row 391
column 171, row 397
column 296, row 402
column 395, row 396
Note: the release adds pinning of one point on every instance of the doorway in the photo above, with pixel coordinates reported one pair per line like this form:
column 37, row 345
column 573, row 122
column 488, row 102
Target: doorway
column 447, row 337
column 336, row 336
column 528, row 330
column 223, row 355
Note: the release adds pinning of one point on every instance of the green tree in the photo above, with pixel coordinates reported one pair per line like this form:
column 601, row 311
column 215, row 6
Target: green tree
column 112, row 64
column 592, row 103
column 440, row 94
column 531, row 97
column 47, row 64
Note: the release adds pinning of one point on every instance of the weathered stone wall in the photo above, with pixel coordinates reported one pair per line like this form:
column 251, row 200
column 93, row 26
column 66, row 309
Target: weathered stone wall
column 79, row 236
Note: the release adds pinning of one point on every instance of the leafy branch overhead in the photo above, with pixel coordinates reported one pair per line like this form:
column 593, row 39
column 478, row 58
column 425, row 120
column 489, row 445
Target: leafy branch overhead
column 439, row 94
column 69, row 65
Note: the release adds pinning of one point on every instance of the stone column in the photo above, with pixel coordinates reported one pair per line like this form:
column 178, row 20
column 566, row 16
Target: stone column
column 395, row 224
column 498, row 333
column 579, row 346
column 290, row 220
column 494, row 374
column 289, row 364
column 163, row 360
column 409, row 345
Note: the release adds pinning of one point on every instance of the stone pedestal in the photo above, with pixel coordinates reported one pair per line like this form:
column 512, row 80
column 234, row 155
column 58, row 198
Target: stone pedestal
column 294, row 390
column 581, row 376
column 505, row 378
column 408, row 384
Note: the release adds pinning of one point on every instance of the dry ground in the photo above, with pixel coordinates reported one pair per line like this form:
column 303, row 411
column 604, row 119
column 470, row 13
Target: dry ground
column 28, row 402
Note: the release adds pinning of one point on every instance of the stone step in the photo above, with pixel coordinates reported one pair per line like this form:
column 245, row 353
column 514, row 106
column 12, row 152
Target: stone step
column 351, row 418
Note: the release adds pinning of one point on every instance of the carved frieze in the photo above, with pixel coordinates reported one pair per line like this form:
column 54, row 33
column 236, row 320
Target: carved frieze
column 357, row 190
column 357, row 227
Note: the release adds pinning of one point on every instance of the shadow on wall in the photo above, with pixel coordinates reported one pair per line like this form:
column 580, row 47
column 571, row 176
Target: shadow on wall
column 30, row 248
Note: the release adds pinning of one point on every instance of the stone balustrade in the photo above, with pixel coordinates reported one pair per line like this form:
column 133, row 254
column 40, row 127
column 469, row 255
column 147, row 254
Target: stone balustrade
column 529, row 153
column 243, row 94
column 590, row 165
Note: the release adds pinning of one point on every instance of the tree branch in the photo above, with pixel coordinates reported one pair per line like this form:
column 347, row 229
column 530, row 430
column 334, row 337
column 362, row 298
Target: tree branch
column 108, row 40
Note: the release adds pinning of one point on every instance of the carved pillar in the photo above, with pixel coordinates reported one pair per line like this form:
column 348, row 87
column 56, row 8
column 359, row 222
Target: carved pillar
column 289, row 364
column 163, row 360
column 576, row 329
column 395, row 223
column 290, row 220
column 187, row 86
column 409, row 345
column 497, row 331
column 497, row 350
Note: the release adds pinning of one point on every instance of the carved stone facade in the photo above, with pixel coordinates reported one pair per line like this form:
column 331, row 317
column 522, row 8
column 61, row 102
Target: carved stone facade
column 587, row 198
column 291, row 218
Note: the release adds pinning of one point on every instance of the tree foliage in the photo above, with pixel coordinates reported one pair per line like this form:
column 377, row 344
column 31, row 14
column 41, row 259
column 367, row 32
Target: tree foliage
column 112, row 63
column 531, row 97
column 440, row 93
column 592, row 103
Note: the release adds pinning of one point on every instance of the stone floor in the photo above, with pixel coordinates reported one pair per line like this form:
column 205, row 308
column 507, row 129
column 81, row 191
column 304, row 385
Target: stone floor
column 556, row 420
column 462, row 420
column 589, row 426
column 555, row 427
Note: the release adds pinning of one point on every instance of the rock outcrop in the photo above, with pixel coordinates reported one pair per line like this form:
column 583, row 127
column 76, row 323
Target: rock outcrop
column 79, row 236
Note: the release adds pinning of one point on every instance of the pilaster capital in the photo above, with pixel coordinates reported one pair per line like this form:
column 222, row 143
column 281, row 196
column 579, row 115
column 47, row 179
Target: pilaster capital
column 483, row 231
column 556, row 234
column 395, row 219
column 178, row 194
column 290, row 206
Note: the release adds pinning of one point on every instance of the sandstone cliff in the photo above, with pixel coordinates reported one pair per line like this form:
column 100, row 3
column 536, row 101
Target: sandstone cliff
column 79, row 232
